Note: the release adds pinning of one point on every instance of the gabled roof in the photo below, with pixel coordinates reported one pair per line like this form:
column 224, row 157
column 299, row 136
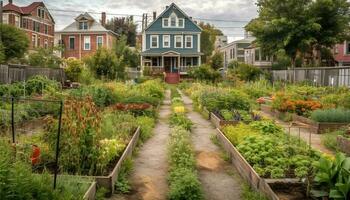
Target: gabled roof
column 168, row 8
column 245, row 40
column 95, row 26
column 24, row 10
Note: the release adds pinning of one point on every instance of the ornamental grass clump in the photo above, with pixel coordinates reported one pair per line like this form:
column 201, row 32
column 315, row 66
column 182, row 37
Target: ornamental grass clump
column 331, row 115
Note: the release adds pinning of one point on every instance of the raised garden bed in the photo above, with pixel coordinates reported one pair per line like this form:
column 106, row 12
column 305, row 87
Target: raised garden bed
column 272, row 188
column 219, row 122
column 91, row 192
column 109, row 180
column 315, row 127
column 343, row 144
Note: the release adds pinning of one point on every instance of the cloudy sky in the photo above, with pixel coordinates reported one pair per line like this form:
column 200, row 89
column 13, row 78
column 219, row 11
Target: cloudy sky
column 228, row 15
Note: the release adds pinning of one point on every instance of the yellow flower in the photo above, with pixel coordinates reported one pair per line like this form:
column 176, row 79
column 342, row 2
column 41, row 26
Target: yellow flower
column 179, row 109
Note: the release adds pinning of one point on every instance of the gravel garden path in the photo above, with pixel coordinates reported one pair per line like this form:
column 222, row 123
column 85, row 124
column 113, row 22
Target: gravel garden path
column 316, row 142
column 149, row 176
column 220, row 180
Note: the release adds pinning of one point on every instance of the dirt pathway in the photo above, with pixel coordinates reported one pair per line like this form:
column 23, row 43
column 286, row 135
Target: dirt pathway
column 219, row 178
column 316, row 142
column 149, row 175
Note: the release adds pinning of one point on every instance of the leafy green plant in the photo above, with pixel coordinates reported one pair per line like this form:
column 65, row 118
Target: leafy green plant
column 331, row 115
column 179, row 119
column 122, row 185
column 332, row 177
column 329, row 139
column 236, row 134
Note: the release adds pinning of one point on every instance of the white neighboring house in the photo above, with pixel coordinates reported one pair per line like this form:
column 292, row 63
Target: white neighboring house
column 220, row 41
column 255, row 56
column 236, row 50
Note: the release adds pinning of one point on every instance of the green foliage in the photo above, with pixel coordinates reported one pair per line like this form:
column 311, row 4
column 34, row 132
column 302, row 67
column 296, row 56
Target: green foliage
column 204, row 73
column 236, row 134
column 180, row 119
column 73, row 69
column 2, row 53
column 183, row 179
column 217, row 60
column 124, row 27
column 331, row 115
column 332, row 177
column 246, row 72
column 17, row 182
column 266, row 127
column 45, row 58
column 248, row 193
column 219, row 99
column 14, row 41
column 101, row 95
column 105, row 64
column 147, row 124
column 208, row 37
column 329, row 139
column 127, row 56
column 122, row 185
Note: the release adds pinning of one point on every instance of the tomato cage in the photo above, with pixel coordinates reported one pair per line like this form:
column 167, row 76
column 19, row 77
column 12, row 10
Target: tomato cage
column 33, row 128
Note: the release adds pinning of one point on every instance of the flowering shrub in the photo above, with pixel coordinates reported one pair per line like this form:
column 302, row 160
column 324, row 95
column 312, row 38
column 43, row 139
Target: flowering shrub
column 179, row 109
column 300, row 107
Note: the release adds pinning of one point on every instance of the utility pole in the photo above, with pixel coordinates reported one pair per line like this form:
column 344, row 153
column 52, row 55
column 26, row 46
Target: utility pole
column 143, row 21
column 146, row 18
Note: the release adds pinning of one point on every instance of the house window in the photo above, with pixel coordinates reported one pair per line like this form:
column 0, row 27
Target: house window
column 165, row 22
column 36, row 26
column 87, row 43
column 34, row 39
column 189, row 41
column 24, row 23
column 154, row 41
column 46, row 29
column 39, row 44
column 347, row 47
column 181, row 23
column 71, row 42
column 178, row 41
column 232, row 53
column 188, row 61
column 166, row 41
column 99, row 41
column 41, row 13
column 17, row 21
column 83, row 25
column 173, row 21
column 5, row 18
column 46, row 44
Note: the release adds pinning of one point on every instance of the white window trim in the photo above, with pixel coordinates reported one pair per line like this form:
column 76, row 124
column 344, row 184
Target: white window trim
column 182, row 41
column 154, row 36
column 189, row 36
column 97, row 37
column 163, row 24
column 5, row 18
column 168, row 46
column 87, row 49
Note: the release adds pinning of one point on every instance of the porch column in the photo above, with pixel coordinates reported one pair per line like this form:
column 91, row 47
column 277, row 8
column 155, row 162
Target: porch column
column 199, row 61
column 163, row 63
column 178, row 64
column 141, row 65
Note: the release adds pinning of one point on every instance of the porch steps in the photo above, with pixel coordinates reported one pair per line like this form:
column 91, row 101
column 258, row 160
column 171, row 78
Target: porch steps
column 172, row 78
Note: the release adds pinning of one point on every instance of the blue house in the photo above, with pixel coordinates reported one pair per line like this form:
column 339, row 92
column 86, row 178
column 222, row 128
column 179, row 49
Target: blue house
column 171, row 43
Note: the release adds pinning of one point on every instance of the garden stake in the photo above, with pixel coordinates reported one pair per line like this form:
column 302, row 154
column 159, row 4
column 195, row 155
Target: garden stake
column 299, row 134
column 13, row 118
column 58, row 145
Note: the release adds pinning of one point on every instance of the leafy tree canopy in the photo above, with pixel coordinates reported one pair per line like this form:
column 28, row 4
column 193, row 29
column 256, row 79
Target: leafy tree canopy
column 14, row 42
column 208, row 37
column 45, row 58
column 124, row 26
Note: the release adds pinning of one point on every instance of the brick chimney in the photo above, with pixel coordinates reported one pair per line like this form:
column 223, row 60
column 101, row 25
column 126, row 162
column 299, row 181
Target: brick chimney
column 103, row 19
column 154, row 15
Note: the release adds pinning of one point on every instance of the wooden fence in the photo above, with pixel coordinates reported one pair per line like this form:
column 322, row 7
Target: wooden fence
column 16, row 73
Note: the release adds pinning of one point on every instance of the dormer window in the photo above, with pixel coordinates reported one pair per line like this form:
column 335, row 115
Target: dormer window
column 41, row 13
column 83, row 25
column 173, row 21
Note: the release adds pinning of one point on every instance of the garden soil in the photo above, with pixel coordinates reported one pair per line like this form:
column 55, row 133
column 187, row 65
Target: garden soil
column 149, row 175
column 220, row 180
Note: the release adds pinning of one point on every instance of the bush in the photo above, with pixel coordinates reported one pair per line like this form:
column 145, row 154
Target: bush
column 331, row 115
column 204, row 73
column 236, row 134
column 147, row 124
column 329, row 139
column 14, row 41
column 184, row 185
column 45, row 58
column 101, row 95
column 244, row 71
column 73, row 69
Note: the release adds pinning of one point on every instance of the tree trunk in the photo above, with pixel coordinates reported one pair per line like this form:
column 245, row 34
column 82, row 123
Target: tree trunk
column 293, row 68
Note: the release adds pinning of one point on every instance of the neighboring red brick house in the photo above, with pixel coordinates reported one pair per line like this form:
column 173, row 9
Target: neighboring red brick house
column 84, row 36
column 35, row 20
column 342, row 53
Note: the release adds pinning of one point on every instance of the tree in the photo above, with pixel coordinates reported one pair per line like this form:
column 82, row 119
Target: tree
column 244, row 71
column 127, row 56
column 105, row 64
column 204, row 73
column 2, row 53
column 295, row 26
column 14, row 41
column 123, row 26
column 208, row 37
column 217, row 60
column 43, row 57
